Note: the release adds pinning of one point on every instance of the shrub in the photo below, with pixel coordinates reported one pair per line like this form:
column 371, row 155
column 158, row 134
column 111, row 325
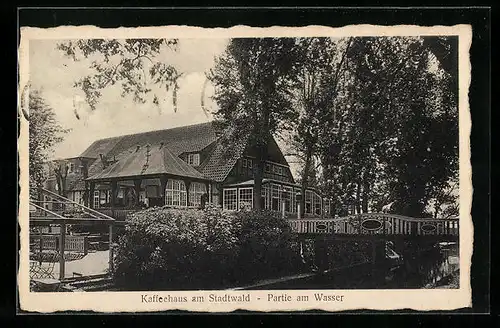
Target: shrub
column 267, row 246
column 164, row 248
column 188, row 249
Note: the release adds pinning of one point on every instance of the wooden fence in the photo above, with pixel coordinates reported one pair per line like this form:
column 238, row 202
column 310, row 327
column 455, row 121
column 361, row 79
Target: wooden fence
column 79, row 244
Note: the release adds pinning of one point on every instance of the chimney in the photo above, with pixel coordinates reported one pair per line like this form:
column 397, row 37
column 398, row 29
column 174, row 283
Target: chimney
column 161, row 145
column 104, row 161
column 137, row 149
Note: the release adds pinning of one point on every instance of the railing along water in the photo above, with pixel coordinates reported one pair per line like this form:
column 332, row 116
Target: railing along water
column 377, row 224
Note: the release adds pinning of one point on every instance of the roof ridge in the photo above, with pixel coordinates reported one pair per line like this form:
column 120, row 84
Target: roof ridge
column 153, row 131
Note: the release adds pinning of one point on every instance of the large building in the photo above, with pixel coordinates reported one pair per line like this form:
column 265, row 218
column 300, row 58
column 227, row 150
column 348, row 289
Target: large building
column 180, row 167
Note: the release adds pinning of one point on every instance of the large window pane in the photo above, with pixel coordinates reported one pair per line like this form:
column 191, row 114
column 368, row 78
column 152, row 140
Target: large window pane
column 230, row 199
column 246, row 198
column 309, row 202
column 196, row 191
column 275, row 197
column 175, row 193
column 287, row 199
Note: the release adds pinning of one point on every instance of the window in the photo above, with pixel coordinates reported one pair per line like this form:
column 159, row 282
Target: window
column 265, row 196
column 308, row 201
column 317, row 204
column 244, row 162
column 196, row 191
column 71, row 168
column 326, row 207
column 276, row 169
column 230, row 199
column 96, row 199
column 193, row 159
column 246, row 197
column 175, row 193
column 296, row 192
column 105, row 197
column 249, row 163
column 287, row 196
column 268, row 168
column 276, row 197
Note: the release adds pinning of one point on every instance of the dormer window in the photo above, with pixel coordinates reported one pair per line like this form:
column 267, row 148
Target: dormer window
column 193, row 159
column 249, row 163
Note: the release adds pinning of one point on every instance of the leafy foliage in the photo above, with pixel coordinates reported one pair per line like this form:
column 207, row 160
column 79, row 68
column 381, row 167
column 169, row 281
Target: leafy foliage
column 267, row 246
column 252, row 81
column 44, row 133
column 389, row 132
column 125, row 62
column 166, row 248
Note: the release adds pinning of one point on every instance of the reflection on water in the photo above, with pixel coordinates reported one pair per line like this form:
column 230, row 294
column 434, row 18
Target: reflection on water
column 427, row 269
column 423, row 270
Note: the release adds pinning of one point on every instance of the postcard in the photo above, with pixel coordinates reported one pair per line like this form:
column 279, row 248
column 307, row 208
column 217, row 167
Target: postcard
column 244, row 168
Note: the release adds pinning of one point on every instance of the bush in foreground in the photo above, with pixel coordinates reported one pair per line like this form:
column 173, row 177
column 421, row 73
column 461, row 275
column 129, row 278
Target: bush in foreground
column 176, row 249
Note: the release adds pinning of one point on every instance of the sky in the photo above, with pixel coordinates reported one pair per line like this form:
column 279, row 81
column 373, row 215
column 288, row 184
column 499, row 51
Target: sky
column 54, row 75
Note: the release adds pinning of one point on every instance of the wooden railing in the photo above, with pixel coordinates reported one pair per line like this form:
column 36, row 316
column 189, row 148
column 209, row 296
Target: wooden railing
column 51, row 242
column 377, row 224
column 62, row 207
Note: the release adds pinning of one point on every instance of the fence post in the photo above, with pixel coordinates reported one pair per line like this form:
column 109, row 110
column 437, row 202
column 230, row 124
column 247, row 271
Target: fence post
column 110, row 247
column 41, row 247
column 62, row 245
column 85, row 245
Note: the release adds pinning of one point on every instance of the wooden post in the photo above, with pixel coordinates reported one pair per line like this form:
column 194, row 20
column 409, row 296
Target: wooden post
column 163, row 186
column 111, row 267
column 91, row 194
column 114, row 189
column 283, row 210
column 85, row 245
column 299, row 202
column 137, row 188
column 187, row 183
column 62, row 244
column 41, row 246
column 209, row 190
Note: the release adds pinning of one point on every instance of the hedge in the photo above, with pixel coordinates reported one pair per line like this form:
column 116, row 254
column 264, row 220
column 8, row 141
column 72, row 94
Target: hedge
column 164, row 248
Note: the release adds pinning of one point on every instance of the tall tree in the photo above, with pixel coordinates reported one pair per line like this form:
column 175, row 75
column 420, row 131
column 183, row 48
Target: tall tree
column 320, row 62
column 133, row 64
column 44, row 133
column 399, row 106
column 252, row 81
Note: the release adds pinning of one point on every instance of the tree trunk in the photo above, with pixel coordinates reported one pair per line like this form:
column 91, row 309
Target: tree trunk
column 305, row 180
column 366, row 193
column 358, row 198
column 258, row 175
column 261, row 129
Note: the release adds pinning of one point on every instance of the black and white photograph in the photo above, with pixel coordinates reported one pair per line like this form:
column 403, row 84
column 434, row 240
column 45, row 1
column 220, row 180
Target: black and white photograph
column 252, row 168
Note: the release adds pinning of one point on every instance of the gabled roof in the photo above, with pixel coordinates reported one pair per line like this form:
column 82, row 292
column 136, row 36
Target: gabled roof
column 190, row 138
column 102, row 146
column 159, row 160
column 222, row 159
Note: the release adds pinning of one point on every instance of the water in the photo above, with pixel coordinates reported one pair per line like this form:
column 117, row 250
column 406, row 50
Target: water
column 429, row 268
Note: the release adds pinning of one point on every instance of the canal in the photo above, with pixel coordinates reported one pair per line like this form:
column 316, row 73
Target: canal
column 433, row 267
